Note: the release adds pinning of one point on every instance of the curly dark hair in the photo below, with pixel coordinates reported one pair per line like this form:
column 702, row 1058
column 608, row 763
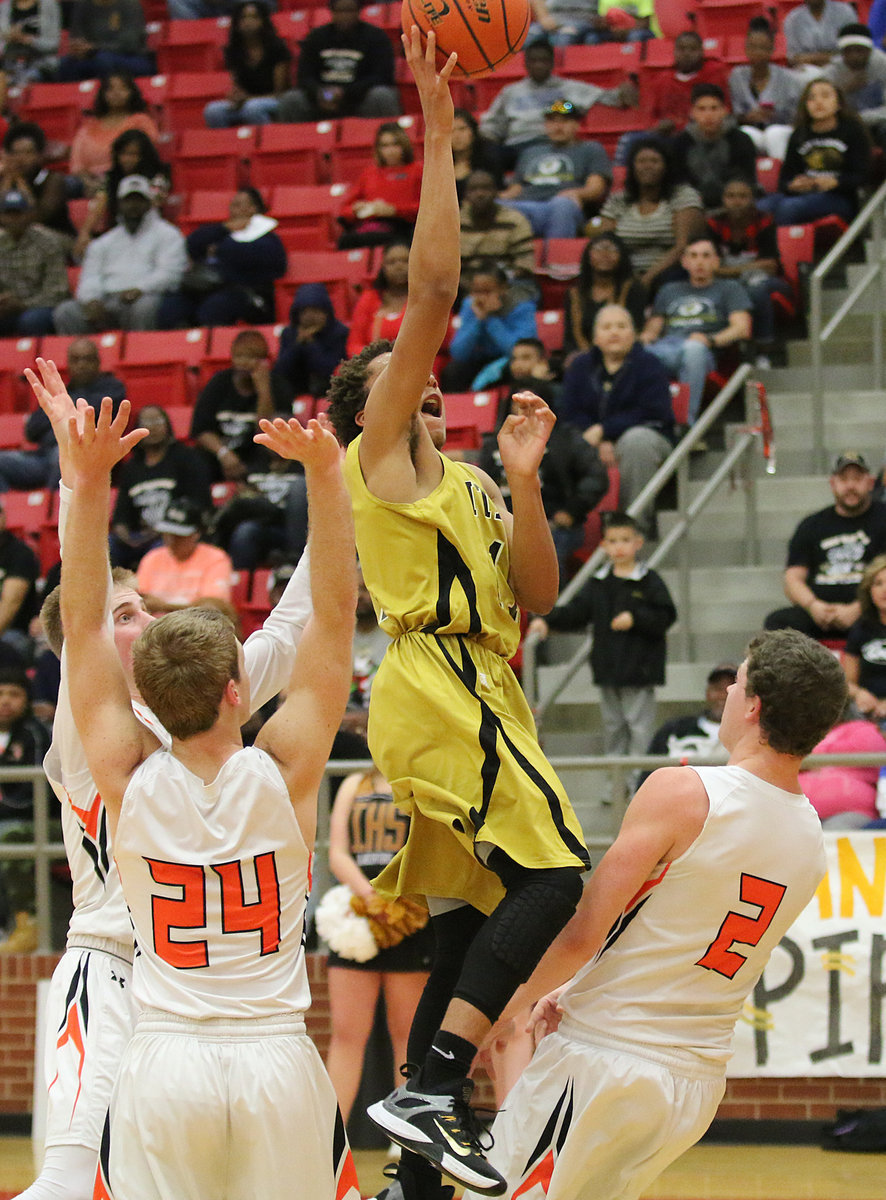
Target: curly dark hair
column 801, row 688
column 348, row 391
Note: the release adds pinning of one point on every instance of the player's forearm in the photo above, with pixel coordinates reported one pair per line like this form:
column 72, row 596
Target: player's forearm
column 333, row 572
column 435, row 256
column 534, row 575
column 85, row 566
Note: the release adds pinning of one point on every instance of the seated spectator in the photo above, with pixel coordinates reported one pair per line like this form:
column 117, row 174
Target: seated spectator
column 828, row 553
column 472, row 152
column 655, row 216
column 698, row 734
column 345, row 69
column 185, row 569
column 491, row 232
column 516, row 116
column 563, row 22
column 30, row 31
column 811, row 31
column 711, row 147
column 19, row 572
column 764, row 95
column 313, row 343
column 618, row 396
column 132, row 153
column 605, row 276
column 670, row 93
column 624, row 21
column 559, row 181
column 379, row 310
column 526, row 368
column 748, row 248
column 119, row 105
column 259, row 61
column 160, row 471
column 845, row 797
column 692, row 319
column 859, row 71
column 383, row 203
column 267, row 516
column 826, row 162
column 127, row 270
column 33, row 275
column 864, row 658
column 23, row 169
column 573, row 479
column 23, row 469
column 233, row 267
column 490, row 323
column 105, row 37
column 228, row 409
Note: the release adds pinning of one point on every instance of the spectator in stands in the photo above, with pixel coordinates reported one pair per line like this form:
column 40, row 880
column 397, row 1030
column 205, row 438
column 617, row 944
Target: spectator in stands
column 379, row 310
column 345, row 69
column 229, row 407
column 811, row 31
column 160, row 471
column 864, row 658
column 618, row 395
column 19, row 572
column 491, row 321
column 712, row 147
column 105, row 37
column 692, row 319
column 670, row 93
column 573, row 479
column 233, row 267
column 625, row 21
column 313, row 343
column 560, row 181
column 127, row 270
column 748, row 248
column 605, row 276
column 845, row 797
column 33, row 275
column 29, row 36
column 764, row 94
column 23, row 469
column 655, row 216
column 828, row 553
column 23, row 169
column 527, row 367
column 383, row 203
column 472, row 152
column 699, row 733
column 267, row 516
column 516, row 116
column 827, row 160
column 259, row 61
column 491, row 232
column 859, row 71
column 119, row 105
column 132, row 153
column 184, row 569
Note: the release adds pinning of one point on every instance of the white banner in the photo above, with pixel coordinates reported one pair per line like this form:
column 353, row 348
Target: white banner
column 819, row 1007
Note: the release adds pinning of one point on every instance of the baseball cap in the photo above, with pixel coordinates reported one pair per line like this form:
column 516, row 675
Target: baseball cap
column 722, row 669
column 564, row 108
column 134, row 184
column 182, row 517
column 850, row 458
column 14, row 201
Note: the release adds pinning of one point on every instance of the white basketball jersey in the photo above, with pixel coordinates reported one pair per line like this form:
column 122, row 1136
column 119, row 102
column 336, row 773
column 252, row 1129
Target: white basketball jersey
column 217, row 877
column 679, row 963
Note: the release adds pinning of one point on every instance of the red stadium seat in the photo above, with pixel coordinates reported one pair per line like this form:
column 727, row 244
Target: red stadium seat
column 15, row 355
column 550, row 323
column 796, row 245
column 767, row 173
column 161, row 367
column 212, row 159
column 193, row 45
column 110, row 349
column 720, row 18
column 356, row 138
column 58, row 108
column 12, row 430
column 203, row 207
column 606, row 125
column 180, row 417
column 293, row 25
column 307, row 215
column 289, row 154
column 606, row 65
column 343, row 271
column 189, row 93
column 218, row 355
column 29, row 517
column 680, row 402
column 468, row 416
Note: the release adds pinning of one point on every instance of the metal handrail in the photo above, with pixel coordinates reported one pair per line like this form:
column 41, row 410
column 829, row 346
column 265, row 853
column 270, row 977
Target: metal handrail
column 871, row 216
column 677, row 463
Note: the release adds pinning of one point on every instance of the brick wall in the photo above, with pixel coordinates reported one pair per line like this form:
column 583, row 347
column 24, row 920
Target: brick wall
column 746, row 1099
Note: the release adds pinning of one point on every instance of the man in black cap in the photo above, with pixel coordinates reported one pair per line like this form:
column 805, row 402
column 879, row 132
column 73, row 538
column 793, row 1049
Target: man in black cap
column 559, row 181
column 698, row 733
column 828, row 552
column 33, row 276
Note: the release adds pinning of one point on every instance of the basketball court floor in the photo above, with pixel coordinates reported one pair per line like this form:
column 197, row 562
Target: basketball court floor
column 707, row 1172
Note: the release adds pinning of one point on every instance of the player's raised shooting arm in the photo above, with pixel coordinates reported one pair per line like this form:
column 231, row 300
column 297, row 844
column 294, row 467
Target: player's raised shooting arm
column 115, row 742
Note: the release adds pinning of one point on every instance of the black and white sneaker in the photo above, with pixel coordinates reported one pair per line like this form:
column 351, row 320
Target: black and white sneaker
column 404, row 1187
column 442, row 1128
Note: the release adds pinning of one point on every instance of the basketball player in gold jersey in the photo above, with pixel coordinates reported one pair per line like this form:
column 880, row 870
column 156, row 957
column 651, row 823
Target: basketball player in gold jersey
column 493, row 844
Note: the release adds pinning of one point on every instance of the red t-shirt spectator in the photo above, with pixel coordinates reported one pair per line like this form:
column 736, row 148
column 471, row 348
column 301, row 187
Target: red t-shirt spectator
column 671, row 94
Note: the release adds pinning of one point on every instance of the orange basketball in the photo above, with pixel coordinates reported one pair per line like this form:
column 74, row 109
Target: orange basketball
column 483, row 33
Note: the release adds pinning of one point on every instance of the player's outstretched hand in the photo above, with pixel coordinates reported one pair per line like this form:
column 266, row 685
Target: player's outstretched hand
column 524, row 435
column 315, row 446
column 53, row 398
column 94, row 447
column 433, row 86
